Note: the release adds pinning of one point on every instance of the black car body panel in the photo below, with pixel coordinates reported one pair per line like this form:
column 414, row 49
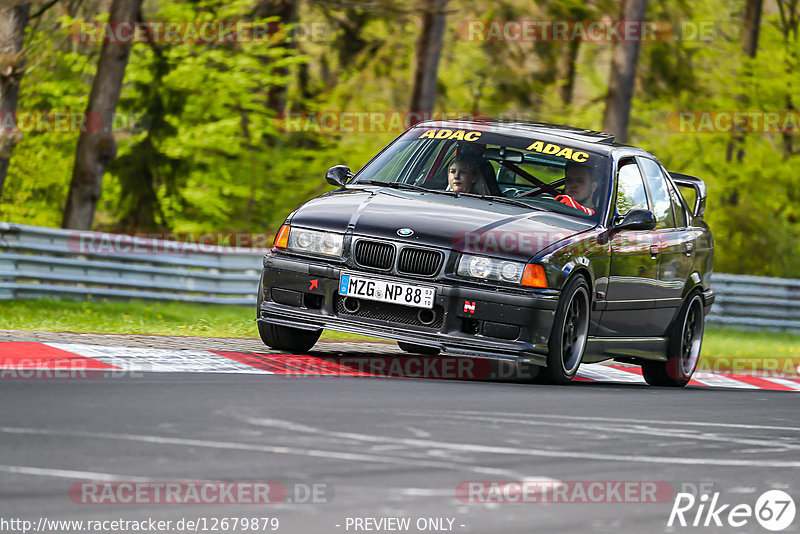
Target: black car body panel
column 638, row 278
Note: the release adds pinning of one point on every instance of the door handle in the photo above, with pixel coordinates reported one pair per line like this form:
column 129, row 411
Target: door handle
column 689, row 249
column 653, row 250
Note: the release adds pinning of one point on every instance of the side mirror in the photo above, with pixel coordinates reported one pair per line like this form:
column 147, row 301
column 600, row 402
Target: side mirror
column 637, row 220
column 338, row 175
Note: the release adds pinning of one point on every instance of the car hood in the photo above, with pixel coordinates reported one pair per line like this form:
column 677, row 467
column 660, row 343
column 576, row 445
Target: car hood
column 466, row 224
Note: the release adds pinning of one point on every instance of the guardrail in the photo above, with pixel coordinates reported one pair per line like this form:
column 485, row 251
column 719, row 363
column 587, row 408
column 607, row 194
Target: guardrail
column 46, row 262
column 756, row 302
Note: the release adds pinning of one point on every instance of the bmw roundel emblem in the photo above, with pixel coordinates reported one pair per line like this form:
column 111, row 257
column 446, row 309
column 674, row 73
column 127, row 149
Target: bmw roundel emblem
column 405, row 232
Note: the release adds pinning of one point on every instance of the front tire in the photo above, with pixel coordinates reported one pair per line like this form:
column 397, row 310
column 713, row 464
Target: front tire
column 287, row 338
column 683, row 353
column 570, row 332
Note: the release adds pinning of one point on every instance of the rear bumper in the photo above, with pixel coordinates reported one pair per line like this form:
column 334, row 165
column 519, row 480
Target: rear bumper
column 495, row 323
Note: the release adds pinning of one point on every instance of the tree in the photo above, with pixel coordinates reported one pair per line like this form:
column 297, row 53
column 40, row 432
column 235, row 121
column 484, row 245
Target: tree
column 789, row 11
column 96, row 149
column 623, row 76
column 750, row 30
column 429, row 48
column 13, row 18
column 286, row 11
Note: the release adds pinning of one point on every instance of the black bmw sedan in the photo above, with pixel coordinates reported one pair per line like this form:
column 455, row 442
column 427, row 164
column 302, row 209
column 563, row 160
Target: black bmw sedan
column 545, row 245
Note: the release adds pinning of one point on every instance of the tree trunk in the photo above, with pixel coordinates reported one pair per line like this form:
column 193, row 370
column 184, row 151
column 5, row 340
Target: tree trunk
column 286, row 10
column 571, row 59
column 429, row 48
column 752, row 24
column 789, row 23
column 13, row 18
column 623, row 76
column 750, row 30
column 96, row 149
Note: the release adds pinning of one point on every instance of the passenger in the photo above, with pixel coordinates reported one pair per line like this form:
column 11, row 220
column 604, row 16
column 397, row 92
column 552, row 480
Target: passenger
column 580, row 187
column 468, row 173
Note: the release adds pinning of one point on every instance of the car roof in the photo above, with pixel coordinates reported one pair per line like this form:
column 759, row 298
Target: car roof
column 587, row 139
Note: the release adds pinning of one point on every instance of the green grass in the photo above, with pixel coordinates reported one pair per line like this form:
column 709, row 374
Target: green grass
column 723, row 348
column 134, row 317
column 745, row 350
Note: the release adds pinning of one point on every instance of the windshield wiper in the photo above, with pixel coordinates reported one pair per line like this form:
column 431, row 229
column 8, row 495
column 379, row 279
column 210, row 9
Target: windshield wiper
column 504, row 200
column 394, row 185
column 410, row 187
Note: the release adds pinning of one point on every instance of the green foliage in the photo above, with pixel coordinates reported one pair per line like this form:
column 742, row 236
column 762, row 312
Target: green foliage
column 212, row 154
column 41, row 167
column 211, row 151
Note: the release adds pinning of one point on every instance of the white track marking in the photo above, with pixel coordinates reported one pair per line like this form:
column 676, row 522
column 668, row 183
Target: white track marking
column 183, row 360
column 530, row 452
column 721, row 381
column 782, row 381
column 591, row 419
column 271, row 449
column 418, row 432
column 66, row 473
column 159, row 360
column 770, row 445
column 604, row 373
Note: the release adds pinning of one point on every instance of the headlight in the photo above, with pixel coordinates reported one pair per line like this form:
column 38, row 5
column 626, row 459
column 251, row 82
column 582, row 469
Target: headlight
column 480, row 267
column 314, row 242
column 490, row 269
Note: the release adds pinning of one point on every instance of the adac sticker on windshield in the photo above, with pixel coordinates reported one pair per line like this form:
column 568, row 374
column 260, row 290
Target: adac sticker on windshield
column 460, row 135
column 559, row 152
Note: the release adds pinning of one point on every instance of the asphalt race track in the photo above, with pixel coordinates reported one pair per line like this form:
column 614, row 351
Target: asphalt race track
column 343, row 450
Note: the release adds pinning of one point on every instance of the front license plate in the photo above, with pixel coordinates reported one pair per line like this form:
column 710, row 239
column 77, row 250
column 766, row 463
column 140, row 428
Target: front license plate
column 386, row 291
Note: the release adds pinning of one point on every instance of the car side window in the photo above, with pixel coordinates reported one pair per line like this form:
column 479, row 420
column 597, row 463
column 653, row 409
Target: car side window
column 677, row 206
column 659, row 194
column 630, row 188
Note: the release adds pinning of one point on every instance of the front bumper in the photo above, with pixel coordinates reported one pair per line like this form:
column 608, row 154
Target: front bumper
column 506, row 324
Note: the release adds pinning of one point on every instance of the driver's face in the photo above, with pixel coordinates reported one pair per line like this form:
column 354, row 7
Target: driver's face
column 580, row 186
column 461, row 178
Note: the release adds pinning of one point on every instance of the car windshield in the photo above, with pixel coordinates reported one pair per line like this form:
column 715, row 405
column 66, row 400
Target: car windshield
column 528, row 172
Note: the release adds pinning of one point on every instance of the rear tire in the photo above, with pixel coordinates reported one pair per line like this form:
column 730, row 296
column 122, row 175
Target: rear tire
column 569, row 334
column 683, row 353
column 417, row 349
column 287, row 338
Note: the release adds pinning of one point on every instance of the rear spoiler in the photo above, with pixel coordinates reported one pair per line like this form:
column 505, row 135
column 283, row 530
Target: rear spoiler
column 699, row 186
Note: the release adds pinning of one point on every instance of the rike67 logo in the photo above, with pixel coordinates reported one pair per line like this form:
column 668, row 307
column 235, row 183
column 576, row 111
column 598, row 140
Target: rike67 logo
column 774, row 510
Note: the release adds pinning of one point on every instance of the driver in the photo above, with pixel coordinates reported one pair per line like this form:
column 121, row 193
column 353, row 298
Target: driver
column 580, row 185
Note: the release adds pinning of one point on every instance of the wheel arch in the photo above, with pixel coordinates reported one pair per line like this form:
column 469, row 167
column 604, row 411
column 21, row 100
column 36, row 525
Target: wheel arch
column 585, row 272
column 693, row 282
